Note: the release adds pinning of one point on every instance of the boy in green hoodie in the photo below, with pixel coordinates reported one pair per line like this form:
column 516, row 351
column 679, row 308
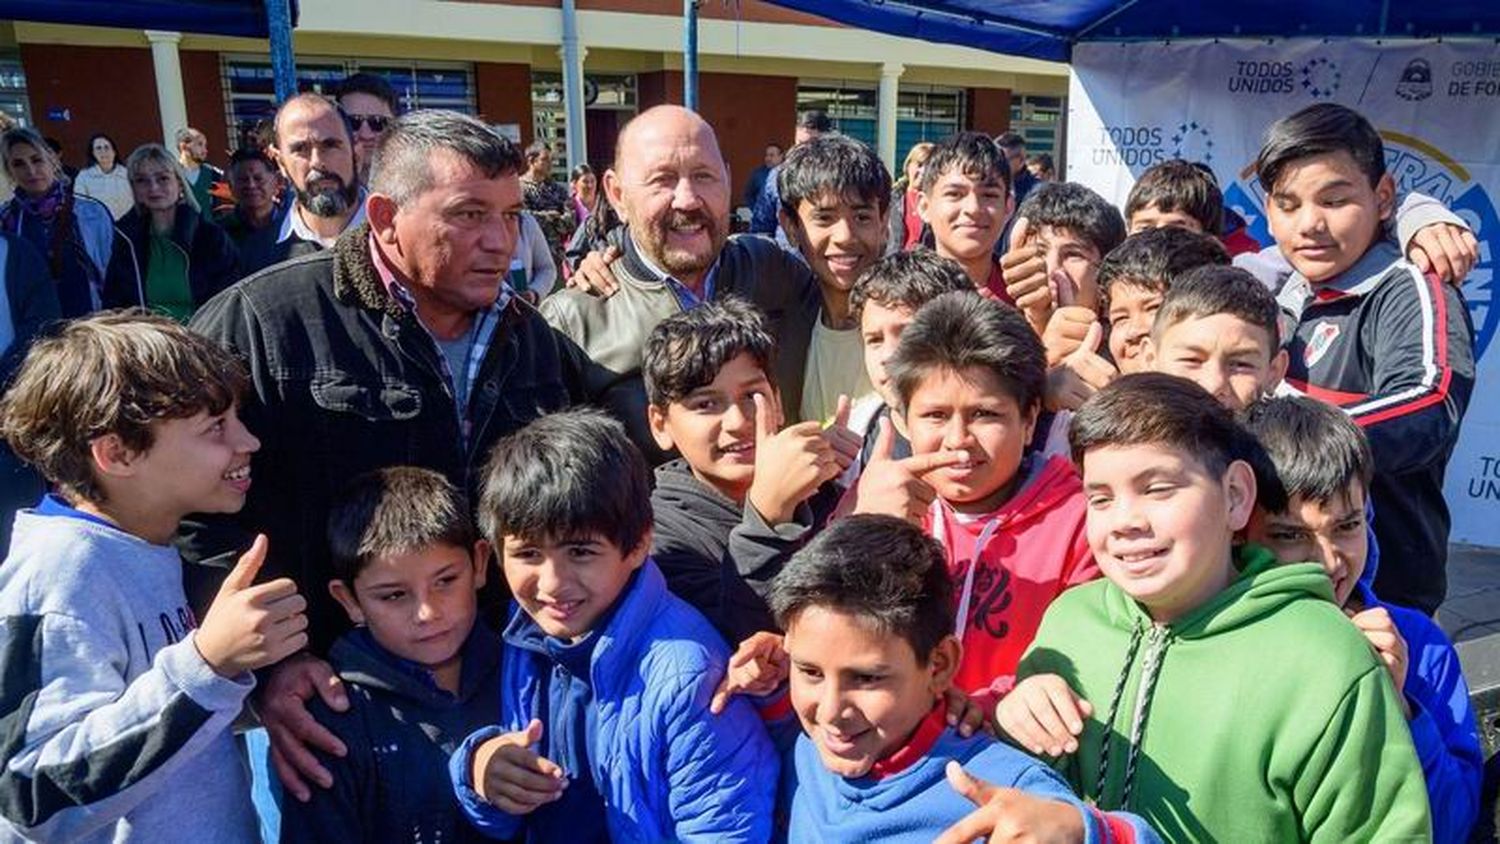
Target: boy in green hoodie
column 1202, row 686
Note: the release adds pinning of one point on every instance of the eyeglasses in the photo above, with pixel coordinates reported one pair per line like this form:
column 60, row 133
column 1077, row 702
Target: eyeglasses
column 377, row 122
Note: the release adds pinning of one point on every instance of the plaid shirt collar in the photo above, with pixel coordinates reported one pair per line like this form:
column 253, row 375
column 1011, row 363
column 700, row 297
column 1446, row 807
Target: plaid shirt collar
column 482, row 330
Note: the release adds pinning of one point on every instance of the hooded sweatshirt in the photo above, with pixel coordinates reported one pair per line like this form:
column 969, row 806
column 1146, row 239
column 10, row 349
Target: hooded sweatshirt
column 1263, row 715
column 116, row 729
column 400, row 729
column 1442, row 720
column 906, row 798
column 1035, row 550
column 720, row 556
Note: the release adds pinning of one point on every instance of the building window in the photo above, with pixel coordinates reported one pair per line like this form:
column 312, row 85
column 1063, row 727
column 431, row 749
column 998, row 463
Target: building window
column 923, row 112
column 13, row 100
column 250, row 86
column 609, row 101
column 851, row 104
column 1039, row 120
column 926, row 113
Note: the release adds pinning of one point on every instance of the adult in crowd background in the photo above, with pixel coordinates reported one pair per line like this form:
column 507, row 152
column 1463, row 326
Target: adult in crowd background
column 168, row 257
column 69, row 171
column 532, row 272
column 400, row 345
column 584, row 186
column 547, row 199
column 314, row 150
column 369, row 103
column 104, row 178
column 28, row 305
column 255, row 185
column 75, row 235
column 757, row 181
column 1042, row 167
column 905, row 223
column 1013, row 146
column 763, row 214
column 672, row 189
column 192, row 154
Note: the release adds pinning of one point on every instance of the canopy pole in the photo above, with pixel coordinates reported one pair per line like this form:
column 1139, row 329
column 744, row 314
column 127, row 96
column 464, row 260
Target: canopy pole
column 575, row 126
column 690, row 54
column 283, row 65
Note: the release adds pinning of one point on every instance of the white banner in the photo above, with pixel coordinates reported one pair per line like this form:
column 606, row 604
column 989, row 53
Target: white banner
column 1437, row 106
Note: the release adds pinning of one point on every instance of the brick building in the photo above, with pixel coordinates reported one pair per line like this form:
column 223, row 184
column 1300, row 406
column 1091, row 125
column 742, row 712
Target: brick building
column 758, row 65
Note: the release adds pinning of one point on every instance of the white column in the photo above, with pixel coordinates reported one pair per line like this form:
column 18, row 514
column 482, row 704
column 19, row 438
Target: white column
column 885, row 133
column 169, row 94
column 575, row 127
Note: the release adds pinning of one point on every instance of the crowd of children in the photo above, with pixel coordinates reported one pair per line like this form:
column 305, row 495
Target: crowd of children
column 1070, row 538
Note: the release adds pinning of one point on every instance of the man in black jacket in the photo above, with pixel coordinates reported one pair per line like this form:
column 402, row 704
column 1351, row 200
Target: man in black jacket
column 398, row 346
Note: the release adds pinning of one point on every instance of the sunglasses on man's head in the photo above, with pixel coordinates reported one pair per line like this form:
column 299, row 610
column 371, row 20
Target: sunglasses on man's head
column 377, row 122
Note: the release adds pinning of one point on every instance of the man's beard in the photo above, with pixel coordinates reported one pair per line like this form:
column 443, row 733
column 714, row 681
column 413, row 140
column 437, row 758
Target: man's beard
column 679, row 262
column 330, row 202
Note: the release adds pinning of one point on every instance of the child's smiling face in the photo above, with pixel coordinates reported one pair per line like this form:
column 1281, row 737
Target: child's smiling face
column 973, row 412
column 860, row 692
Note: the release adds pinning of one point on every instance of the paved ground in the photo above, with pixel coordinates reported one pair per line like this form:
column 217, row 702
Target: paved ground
column 1472, row 610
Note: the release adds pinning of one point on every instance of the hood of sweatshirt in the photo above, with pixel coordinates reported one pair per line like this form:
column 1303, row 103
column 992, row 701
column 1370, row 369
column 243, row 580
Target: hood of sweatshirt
column 1262, row 587
column 358, row 659
column 679, row 493
column 1048, row 483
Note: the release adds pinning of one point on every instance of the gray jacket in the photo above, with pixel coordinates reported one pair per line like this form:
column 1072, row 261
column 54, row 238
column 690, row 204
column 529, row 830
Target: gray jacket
column 613, row 330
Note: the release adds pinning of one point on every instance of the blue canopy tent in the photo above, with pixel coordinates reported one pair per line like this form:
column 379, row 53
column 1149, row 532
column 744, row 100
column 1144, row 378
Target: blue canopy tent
column 271, row 19
column 1048, row 29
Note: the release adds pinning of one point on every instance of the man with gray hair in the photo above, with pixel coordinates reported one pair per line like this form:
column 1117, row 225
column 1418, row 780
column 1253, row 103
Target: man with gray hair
column 399, row 345
column 315, row 152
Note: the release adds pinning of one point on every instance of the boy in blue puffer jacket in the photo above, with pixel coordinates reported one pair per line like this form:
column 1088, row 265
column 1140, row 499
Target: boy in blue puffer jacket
column 1312, row 505
column 605, row 732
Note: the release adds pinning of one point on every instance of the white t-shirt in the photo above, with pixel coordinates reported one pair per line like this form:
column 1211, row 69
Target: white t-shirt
column 835, row 366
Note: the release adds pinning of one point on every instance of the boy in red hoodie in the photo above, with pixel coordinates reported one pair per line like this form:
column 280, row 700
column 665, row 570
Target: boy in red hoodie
column 969, row 375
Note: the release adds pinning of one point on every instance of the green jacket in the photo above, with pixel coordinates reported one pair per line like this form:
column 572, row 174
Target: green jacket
column 1262, row 716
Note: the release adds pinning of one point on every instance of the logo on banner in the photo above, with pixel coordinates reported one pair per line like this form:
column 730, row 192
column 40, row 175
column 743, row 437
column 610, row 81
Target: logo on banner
column 1416, row 166
column 1321, row 77
column 1191, row 142
column 1323, row 335
column 1416, row 81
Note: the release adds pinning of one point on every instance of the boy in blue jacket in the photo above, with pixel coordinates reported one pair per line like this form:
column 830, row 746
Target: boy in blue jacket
column 605, row 732
column 1312, row 505
column 868, row 612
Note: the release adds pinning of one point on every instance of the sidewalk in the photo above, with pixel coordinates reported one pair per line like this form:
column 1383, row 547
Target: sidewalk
column 1472, row 610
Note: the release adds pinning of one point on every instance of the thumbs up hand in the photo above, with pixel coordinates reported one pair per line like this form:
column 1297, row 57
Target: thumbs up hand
column 1027, row 282
column 1080, row 374
column 251, row 626
column 790, row 465
column 898, row 487
column 1009, row 814
column 1066, row 331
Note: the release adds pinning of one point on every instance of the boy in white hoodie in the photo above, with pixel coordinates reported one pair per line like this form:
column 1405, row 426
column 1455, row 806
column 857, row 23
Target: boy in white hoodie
column 116, row 702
